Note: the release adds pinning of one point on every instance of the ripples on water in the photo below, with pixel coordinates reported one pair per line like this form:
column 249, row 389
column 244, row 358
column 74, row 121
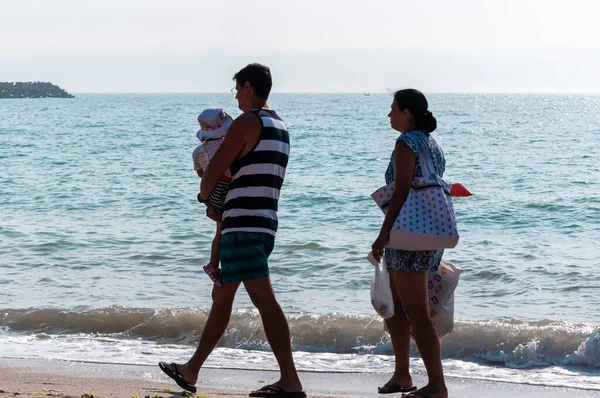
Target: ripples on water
column 98, row 202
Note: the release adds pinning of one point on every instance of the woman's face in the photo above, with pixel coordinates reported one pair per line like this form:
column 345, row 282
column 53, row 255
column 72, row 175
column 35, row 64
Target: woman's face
column 400, row 120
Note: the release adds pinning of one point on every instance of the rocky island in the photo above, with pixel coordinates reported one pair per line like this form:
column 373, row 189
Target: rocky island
column 31, row 90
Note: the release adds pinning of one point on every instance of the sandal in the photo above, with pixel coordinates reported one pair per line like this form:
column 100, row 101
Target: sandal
column 272, row 391
column 174, row 374
column 389, row 388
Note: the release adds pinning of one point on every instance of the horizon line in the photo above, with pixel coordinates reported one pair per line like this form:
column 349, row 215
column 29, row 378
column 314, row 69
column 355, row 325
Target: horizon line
column 347, row 92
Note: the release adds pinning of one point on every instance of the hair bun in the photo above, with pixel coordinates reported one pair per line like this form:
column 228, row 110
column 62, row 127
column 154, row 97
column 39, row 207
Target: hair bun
column 428, row 123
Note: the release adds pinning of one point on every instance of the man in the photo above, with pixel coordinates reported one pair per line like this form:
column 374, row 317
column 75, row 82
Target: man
column 256, row 149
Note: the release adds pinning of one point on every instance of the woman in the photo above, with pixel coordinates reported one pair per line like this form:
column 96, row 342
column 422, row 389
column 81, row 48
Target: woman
column 408, row 269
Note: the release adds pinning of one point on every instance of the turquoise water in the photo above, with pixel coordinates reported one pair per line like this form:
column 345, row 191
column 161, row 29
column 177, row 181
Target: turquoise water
column 100, row 232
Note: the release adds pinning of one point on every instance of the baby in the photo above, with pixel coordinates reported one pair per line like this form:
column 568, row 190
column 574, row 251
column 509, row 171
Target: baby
column 214, row 123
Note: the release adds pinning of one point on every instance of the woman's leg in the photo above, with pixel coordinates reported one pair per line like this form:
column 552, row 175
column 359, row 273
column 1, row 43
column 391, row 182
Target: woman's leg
column 411, row 287
column 398, row 328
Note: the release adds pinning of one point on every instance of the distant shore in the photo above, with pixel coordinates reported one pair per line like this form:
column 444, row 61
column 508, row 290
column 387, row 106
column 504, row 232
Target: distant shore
column 13, row 90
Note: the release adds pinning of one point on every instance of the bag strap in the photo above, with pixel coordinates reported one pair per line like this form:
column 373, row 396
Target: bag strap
column 427, row 170
column 426, row 161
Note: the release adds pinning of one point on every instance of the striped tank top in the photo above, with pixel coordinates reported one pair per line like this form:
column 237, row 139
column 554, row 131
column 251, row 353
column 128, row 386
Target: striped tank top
column 256, row 179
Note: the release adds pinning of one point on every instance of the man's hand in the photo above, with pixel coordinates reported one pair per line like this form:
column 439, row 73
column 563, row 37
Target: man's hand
column 213, row 214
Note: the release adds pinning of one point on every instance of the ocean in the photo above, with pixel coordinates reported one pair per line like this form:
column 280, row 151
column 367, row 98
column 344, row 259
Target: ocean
column 102, row 241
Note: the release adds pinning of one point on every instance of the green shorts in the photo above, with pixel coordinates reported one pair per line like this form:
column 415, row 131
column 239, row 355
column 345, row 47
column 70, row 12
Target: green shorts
column 244, row 256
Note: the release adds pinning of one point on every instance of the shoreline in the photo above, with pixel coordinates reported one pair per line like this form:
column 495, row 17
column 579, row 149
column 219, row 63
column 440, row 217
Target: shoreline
column 37, row 377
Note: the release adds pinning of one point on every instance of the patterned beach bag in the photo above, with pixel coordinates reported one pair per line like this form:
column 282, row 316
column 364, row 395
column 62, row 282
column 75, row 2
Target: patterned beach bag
column 426, row 220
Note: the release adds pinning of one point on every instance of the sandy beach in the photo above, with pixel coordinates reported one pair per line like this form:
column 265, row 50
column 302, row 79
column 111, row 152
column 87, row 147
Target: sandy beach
column 46, row 378
column 31, row 378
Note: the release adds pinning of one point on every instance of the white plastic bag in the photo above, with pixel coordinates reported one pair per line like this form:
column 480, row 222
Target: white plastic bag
column 441, row 285
column 381, row 292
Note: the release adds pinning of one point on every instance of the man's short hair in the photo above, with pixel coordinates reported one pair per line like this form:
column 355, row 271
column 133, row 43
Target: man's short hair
column 259, row 77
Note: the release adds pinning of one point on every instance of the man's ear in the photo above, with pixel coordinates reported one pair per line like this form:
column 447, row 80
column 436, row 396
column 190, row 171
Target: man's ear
column 248, row 88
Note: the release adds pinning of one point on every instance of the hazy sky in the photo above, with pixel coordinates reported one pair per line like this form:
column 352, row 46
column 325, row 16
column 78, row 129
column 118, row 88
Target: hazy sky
column 325, row 45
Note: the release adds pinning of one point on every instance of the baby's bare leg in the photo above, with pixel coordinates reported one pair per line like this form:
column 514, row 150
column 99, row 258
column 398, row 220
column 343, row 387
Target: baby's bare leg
column 215, row 248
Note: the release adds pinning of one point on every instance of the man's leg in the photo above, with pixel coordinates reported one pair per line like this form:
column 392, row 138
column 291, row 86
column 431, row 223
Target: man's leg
column 276, row 329
column 215, row 326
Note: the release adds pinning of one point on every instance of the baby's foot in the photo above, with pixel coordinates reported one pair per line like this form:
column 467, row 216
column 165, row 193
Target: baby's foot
column 214, row 273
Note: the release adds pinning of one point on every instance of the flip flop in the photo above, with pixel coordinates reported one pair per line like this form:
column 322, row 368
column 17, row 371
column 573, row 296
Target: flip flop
column 213, row 274
column 417, row 395
column 271, row 391
column 394, row 388
column 175, row 375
